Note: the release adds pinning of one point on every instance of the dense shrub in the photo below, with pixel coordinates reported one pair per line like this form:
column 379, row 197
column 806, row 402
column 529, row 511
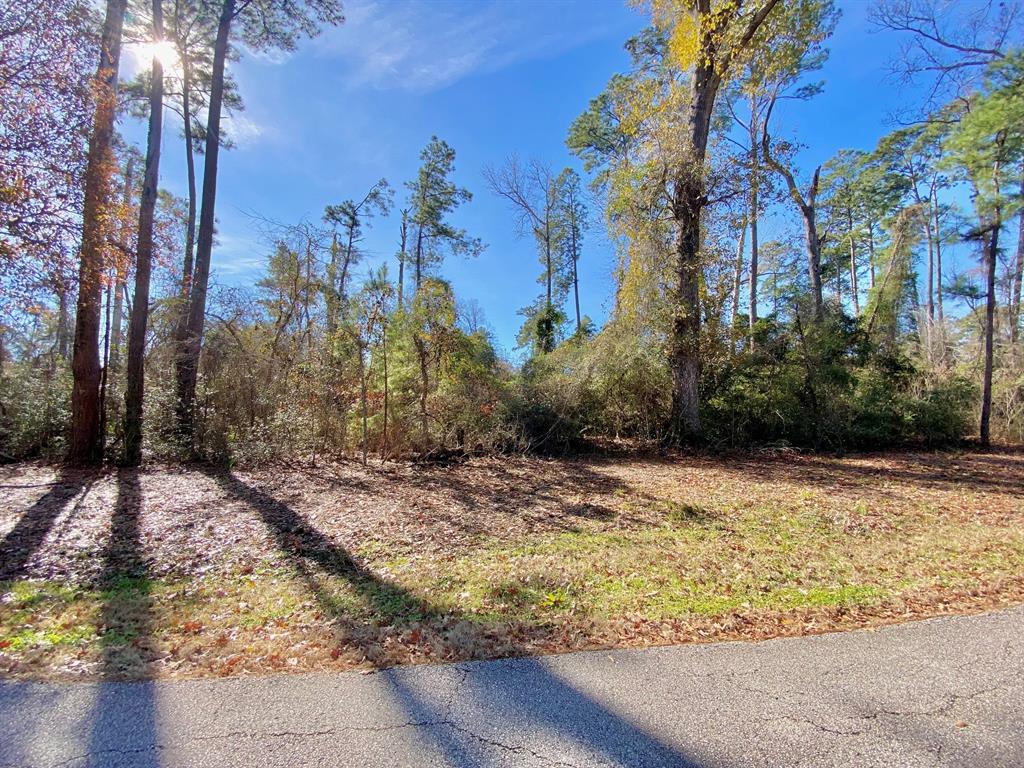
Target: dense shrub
column 35, row 411
column 822, row 386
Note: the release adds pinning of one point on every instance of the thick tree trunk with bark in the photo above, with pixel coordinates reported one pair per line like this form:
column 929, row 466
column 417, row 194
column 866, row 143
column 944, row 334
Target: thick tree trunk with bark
column 188, row 357
column 85, row 397
column 688, row 205
column 684, row 344
column 135, row 382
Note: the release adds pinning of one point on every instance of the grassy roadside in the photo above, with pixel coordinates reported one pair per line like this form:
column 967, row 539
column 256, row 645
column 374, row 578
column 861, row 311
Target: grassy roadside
column 735, row 568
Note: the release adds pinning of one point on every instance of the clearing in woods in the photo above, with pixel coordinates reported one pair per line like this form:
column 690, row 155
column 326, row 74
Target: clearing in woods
column 195, row 571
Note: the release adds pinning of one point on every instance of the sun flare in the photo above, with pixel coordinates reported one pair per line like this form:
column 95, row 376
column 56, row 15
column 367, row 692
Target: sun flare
column 161, row 50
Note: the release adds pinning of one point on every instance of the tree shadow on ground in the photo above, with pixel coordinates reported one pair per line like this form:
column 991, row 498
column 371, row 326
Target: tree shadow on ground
column 552, row 706
column 536, row 481
column 463, row 502
column 542, row 493
column 29, row 533
column 517, row 705
column 124, row 721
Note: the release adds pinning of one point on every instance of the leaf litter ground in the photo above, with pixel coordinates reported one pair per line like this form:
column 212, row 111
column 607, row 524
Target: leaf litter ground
column 191, row 571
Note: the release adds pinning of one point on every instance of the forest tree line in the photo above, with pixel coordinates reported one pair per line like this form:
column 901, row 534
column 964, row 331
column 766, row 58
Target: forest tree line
column 848, row 328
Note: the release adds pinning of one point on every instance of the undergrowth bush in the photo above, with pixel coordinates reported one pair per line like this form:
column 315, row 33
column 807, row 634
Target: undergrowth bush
column 35, row 411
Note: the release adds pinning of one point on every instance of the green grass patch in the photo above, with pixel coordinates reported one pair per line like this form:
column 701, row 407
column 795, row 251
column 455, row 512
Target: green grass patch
column 47, row 638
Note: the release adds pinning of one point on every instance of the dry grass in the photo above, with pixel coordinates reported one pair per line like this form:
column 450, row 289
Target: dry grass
column 176, row 571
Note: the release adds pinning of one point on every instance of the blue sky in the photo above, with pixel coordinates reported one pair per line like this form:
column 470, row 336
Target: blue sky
column 491, row 78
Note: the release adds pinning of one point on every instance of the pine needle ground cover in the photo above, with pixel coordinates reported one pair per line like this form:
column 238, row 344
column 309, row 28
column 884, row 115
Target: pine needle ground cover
column 195, row 571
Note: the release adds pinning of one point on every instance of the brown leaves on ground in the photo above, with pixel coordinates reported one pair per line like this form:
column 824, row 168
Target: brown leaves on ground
column 174, row 559
column 191, row 524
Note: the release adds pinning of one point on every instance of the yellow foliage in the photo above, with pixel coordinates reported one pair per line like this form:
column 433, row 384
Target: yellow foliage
column 694, row 37
column 684, row 41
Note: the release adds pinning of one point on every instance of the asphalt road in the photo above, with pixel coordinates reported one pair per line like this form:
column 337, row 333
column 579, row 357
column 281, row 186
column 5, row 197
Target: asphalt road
column 945, row 692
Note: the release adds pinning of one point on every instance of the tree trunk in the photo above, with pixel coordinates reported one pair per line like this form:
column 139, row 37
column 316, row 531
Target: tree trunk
column 839, row 283
column 188, row 360
column 344, row 269
column 930, row 241
column 330, row 294
column 807, row 210
column 929, row 286
column 930, row 283
column 813, row 257
column 307, row 297
column 419, row 255
column 362, row 397
column 575, row 271
column 85, row 409
column 752, row 216
column 115, row 322
column 181, row 327
column 121, row 271
column 684, row 342
column 384, row 352
column 938, row 258
column 547, row 257
column 63, row 335
column 737, row 274
column 813, row 260
column 190, row 167
column 105, row 372
column 402, row 254
column 1017, row 278
column 854, row 287
column 871, row 254
column 421, row 353
column 135, row 381
column 990, row 318
column 688, row 204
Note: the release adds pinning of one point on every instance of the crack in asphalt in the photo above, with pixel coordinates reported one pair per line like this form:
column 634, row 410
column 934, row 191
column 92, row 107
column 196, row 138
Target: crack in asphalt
column 514, row 749
column 930, row 687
